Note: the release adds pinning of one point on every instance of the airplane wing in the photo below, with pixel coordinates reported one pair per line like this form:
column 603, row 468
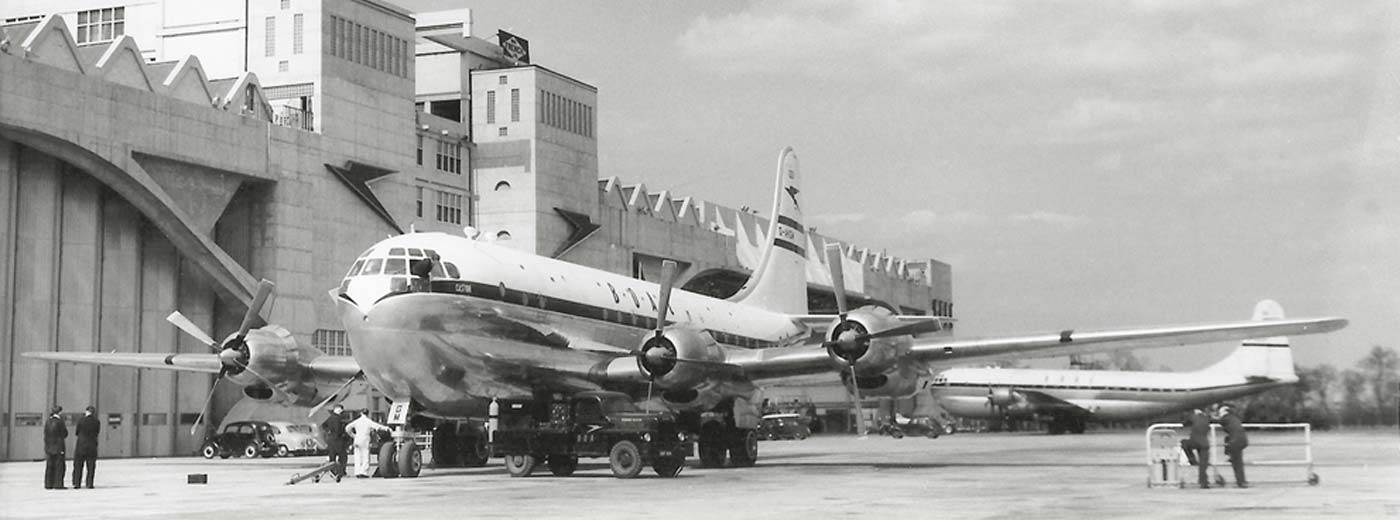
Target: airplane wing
column 943, row 351
column 207, row 363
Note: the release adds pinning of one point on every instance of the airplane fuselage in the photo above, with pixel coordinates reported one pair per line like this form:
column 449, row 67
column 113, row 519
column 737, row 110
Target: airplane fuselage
column 1103, row 394
column 496, row 322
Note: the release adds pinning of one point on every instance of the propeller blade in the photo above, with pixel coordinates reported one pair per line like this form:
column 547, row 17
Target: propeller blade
column 335, row 394
column 918, row 327
column 838, row 278
column 184, row 324
column 207, row 400
column 668, row 275
column 251, row 317
column 855, row 396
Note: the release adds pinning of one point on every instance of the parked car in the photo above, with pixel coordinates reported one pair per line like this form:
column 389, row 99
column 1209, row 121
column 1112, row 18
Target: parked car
column 783, row 426
column 246, row 438
column 899, row 426
column 296, row 439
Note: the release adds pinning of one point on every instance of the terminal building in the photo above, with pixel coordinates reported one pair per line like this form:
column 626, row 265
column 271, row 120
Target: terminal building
column 165, row 155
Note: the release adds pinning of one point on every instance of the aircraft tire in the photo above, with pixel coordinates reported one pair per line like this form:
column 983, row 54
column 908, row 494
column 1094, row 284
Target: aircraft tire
column 743, row 450
column 447, row 450
column 409, row 461
column 387, row 468
column 1077, row 426
column 562, row 465
column 669, row 467
column 520, row 465
column 712, row 448
column 625, row 460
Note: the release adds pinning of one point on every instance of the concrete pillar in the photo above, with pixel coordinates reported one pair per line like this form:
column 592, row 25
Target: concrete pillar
column 9, row 178
column 195, row 301
column 35, row 299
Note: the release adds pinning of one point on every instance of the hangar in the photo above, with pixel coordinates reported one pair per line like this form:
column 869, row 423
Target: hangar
column 165, row 155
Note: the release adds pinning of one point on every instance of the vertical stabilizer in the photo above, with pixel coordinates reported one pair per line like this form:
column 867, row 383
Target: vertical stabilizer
column 1261, row 357
column 779, row 284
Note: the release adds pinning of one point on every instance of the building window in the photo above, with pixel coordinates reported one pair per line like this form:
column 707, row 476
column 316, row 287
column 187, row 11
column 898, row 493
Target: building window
column 297, row 21
column 503, row 131
column 101, row 25
column 332, row 342
column 449, row 207
column 286, row 4
column 283, row 66
column 420, row 163
column 490, row 107
column 419, row 212
column 449, row 157
column 269, row 37
column 501, row 80
column 515, row 105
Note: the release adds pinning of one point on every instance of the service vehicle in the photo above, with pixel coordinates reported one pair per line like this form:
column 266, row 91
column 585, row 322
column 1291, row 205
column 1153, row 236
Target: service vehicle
column 247, row 438
column 783, row 426
column 589, row 424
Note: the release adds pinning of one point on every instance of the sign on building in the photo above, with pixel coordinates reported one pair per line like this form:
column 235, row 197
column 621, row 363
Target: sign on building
column 515, row 48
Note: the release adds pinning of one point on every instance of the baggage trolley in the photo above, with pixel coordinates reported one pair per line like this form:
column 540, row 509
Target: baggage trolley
column 1163, row 448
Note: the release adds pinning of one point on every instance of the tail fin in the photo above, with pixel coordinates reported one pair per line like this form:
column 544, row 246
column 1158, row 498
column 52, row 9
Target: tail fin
column 780, row 282
column 1261, row 357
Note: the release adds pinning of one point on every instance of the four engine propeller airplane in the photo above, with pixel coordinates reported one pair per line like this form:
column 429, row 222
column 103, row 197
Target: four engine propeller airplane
column 442, row 324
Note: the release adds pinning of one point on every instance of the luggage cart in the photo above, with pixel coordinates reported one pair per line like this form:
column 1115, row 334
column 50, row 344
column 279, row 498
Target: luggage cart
column 1163, row 447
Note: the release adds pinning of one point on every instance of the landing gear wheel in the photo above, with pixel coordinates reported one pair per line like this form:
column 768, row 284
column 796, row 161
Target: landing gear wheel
column 562, row 465
column 410, row 460
column 712, row 447
column 250, row 451
column 282, row 450
column 520, row 465
column 625, row 459
column 1077, row 425
column 744, row 450
column 447, row 450
column 669, row 467
column 387, row 468
column 475, row 452
column 209, row 451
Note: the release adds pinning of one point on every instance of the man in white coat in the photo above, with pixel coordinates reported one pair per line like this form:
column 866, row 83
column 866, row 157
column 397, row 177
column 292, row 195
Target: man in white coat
column 361, row 429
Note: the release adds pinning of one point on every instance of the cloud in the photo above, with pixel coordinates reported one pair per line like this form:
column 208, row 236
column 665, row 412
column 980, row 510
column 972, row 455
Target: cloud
column 837, row 218
column 1049, row 218
column 923, row 217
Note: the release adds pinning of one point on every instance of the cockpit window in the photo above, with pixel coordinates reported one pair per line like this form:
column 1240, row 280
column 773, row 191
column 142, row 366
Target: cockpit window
column 372, row 266
column 415, row 252
column 452, row 271
column 430, row 253
column 366, row 253
column 355, row 269
column 396, row 266
column 397, row 251
column 437, row 270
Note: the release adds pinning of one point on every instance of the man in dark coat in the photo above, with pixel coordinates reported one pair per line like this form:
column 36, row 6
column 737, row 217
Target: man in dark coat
column 85, row 448
column 55, row 435
column 1235, row 443
column 336, row 439
column 1197, row 447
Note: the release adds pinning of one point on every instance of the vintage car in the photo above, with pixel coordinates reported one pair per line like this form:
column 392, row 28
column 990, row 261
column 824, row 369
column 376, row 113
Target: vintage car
column 296, row 439
column 247, row 438
column 783, row 426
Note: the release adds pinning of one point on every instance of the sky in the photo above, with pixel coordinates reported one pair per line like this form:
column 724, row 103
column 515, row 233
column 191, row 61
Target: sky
column 1080, row 164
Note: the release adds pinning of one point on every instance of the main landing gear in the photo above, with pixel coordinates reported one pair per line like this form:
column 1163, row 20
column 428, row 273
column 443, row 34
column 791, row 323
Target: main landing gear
column 401, row 456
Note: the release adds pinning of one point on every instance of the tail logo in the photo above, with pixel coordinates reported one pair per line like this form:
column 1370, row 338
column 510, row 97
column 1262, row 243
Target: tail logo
column 792, row 191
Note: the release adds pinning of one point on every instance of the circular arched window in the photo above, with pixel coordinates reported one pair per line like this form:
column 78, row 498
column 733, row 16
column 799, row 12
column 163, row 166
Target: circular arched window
column 503, row 186
column 503, row 235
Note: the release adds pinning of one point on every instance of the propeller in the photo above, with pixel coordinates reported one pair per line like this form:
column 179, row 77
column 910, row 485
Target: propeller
column 233, row 354
column 846, row 334
column 334, row 394
column 658, row 356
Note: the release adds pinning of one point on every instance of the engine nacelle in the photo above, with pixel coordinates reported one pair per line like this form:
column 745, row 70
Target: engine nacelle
column 272, row 353
column 680, row 359
column 1008, row 401
column 1002, row 396
column 868, row 355
column 899, row 381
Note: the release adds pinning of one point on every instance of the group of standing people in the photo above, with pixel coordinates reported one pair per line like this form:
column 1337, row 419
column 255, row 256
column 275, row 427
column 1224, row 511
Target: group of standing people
column 84, row 449
column 1197, row 446
column 339, row 436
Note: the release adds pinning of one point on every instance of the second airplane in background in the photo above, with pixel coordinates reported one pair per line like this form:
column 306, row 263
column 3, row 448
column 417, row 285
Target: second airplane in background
column 1066, row 399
